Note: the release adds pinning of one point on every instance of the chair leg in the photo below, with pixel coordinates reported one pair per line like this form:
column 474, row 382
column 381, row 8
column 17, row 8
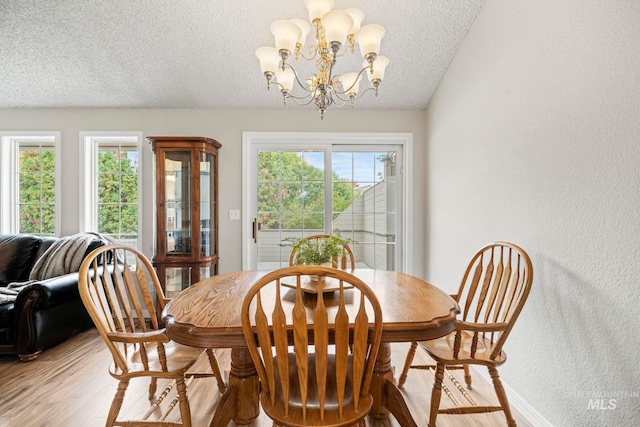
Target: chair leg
column 436, row 393
column 502, row 396
column 407, row 364
column 213, row 361
column 467, row 376
column 153, row 386
column 116, row 404
column 185, row 410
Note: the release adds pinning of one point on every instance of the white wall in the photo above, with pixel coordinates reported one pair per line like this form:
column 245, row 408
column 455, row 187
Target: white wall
column 534, row 137
column 227, row 127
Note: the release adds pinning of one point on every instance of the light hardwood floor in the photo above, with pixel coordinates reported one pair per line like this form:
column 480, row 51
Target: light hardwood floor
column 69, row 386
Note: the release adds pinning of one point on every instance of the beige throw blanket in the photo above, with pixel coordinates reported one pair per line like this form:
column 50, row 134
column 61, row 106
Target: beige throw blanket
column 10, row 292
column 64, row 256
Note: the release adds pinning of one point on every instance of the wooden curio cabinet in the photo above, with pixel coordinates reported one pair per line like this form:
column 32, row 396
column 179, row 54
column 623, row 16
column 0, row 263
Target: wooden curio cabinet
column 186, row 170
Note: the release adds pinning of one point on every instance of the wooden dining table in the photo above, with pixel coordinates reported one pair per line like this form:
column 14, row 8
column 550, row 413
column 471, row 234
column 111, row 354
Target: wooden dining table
column 207, row 315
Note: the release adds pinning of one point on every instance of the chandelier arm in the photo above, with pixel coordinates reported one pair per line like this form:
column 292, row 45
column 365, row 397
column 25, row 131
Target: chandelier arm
column 295, row 98
column 295, row 74
column 355, row 97
column 337, row 94
column 353, row 84
column 312, row 49
column 345, row 49
column 278, row 84
column 287, row 94
column 363, row 92
column 333, row 101
column 302, row 104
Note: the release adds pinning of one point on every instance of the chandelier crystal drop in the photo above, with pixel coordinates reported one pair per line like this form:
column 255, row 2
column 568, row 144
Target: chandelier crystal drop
column 336, row 34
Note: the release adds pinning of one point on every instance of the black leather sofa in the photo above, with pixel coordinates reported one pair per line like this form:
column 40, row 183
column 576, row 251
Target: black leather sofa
column 44, row 313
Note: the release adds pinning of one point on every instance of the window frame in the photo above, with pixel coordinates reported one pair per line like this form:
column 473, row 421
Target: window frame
column 304, row 140
column 9, row 191
column 90, row 142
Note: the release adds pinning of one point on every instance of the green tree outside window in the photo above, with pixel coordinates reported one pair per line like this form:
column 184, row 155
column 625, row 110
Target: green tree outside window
column 36, row 185
column 118, row 193
column 291, row 192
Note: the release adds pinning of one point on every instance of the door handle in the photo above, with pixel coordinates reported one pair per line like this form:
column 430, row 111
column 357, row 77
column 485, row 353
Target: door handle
column 256, row 228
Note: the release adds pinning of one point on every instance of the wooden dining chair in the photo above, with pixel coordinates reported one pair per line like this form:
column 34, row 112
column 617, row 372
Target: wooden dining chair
column 493, row 291
column 300, row 343
column 123, row 296
column 346, row 262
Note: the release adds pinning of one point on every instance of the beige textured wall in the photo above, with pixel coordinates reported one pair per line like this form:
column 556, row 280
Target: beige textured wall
column 226, row 126
column 534, row 137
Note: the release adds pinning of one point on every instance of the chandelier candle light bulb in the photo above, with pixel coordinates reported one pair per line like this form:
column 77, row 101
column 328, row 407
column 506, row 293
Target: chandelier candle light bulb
column 350, row 84
column 337, row 25
column 285, row 78
column 286, row 33
column 336, row 33
column 318, row 8
column 358, row 16
column 305, row 29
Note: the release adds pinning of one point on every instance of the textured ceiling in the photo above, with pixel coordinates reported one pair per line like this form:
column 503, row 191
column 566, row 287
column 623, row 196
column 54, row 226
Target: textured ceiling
column 200, row 53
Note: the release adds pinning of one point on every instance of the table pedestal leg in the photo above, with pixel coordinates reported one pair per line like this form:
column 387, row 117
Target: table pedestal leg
column 381, row 373
column 387, row 398
column 241, row 402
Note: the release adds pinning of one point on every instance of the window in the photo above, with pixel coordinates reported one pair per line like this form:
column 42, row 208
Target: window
column 111, row 185
column 31, row 194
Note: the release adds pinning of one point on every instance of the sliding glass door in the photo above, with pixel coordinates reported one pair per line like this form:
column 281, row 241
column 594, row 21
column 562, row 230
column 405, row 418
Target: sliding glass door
column 340, row 188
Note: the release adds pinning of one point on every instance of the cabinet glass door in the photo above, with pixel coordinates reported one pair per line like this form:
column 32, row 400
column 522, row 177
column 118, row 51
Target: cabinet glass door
column 176, row 279
column 178, row 201
column 207, row 204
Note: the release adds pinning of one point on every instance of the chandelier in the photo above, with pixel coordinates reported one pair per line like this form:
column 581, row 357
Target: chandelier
column 336, row 34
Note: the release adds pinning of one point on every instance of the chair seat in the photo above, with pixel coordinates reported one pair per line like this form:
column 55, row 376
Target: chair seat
column 331, row 418
column 441, row 350
column 179, row 358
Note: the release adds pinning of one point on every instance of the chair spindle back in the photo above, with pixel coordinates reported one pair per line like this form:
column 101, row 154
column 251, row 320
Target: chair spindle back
column 493, row 291
column 122, row 297
column 289, row 331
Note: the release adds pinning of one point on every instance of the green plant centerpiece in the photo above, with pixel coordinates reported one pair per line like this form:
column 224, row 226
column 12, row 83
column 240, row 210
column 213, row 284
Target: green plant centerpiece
column 325, row 249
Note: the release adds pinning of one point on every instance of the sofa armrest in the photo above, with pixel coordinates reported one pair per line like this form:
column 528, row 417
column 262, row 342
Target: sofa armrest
column 46, row 313
column 46, row 293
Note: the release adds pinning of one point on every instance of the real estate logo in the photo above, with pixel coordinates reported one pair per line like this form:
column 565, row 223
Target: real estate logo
column 605, row 400
column 602, row 404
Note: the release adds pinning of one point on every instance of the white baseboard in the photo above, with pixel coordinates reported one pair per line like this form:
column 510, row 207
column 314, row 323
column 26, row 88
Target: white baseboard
column 516, row 402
